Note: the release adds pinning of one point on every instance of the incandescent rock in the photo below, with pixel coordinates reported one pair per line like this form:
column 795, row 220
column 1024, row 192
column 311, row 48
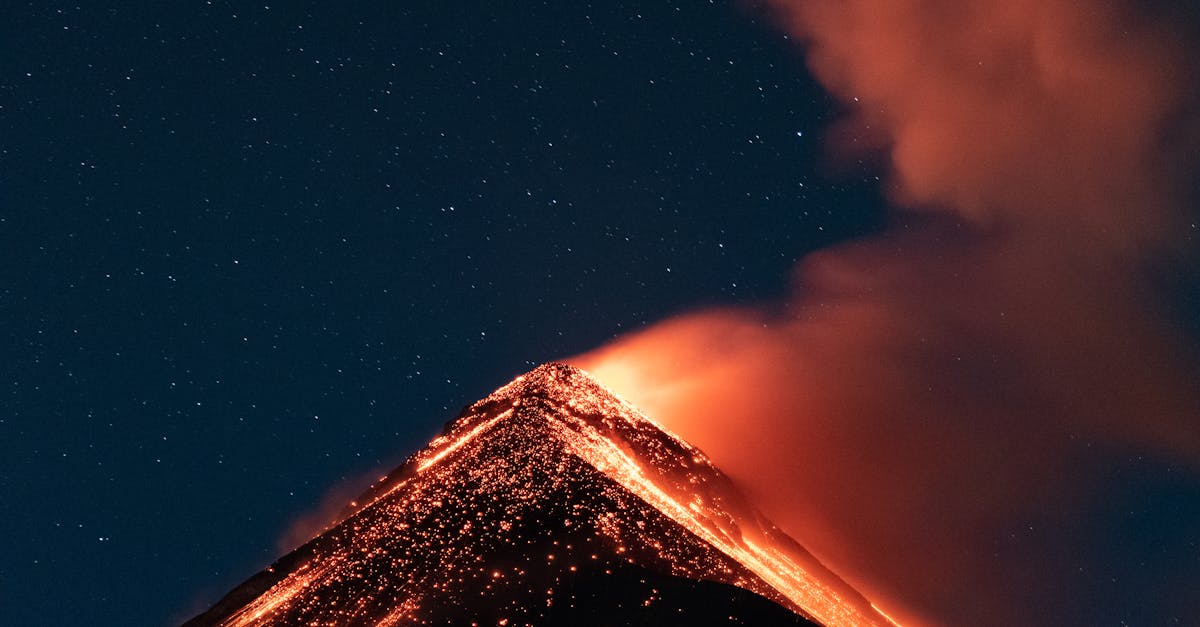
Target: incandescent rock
column 550, row 502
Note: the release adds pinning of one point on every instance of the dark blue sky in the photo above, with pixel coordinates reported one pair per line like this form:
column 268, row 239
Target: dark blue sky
column 250, row 251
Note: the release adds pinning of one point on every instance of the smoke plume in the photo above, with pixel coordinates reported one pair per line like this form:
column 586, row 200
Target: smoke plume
column 951, row 413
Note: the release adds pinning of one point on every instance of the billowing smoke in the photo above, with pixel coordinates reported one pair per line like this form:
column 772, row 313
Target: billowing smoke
column 985, row 415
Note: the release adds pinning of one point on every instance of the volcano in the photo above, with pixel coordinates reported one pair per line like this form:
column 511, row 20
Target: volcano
column 550, row 502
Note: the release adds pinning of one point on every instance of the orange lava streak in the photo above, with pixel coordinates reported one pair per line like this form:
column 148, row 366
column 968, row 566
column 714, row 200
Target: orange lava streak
column 804, row 590
column 277, row 597
column 459, row 442
column 406, row 611
column 884, row 614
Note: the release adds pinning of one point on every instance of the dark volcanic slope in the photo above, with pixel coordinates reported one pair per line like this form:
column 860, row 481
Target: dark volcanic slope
column 549, row 502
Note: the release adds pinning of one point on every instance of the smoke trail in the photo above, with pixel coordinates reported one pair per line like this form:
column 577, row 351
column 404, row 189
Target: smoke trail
column 944, row 412
column 337, row 503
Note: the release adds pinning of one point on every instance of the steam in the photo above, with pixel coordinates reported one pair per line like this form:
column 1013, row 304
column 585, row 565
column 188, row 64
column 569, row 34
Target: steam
column 937, row 411
column 337, row 504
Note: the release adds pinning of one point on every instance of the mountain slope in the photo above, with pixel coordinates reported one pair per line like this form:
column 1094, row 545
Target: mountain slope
column 551, row 501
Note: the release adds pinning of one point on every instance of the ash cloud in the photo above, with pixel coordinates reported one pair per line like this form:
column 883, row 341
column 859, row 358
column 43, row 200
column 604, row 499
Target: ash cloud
column 960, row 414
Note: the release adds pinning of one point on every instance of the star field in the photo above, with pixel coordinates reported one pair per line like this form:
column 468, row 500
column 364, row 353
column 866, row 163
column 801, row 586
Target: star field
column 253, row 251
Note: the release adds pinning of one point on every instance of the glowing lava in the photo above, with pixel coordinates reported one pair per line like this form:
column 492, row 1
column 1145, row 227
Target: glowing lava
column 538, row 498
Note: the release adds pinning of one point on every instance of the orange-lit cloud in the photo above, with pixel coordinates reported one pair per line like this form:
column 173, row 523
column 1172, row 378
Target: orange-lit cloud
column 935, row 409
column 337, row 503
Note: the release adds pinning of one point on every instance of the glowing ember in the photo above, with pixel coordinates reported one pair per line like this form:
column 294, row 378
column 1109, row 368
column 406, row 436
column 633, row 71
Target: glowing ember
column 512, row 515
column 440, row 451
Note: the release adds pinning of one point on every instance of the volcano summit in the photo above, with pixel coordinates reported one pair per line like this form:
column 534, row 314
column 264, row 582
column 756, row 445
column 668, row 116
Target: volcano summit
column 550, row 502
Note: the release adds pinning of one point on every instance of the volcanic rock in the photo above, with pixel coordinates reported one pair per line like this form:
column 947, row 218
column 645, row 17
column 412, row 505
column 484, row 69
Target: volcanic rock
column 550, row 502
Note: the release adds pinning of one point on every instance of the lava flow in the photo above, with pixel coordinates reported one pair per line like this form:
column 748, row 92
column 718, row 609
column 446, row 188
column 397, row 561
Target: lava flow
column 551, row 501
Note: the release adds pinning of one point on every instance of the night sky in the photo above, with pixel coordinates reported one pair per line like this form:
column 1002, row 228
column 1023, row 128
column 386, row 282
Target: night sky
column 251, row 252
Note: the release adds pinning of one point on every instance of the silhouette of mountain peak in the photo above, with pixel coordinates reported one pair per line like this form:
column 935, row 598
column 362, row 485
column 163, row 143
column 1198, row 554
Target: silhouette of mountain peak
column 549, row 502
